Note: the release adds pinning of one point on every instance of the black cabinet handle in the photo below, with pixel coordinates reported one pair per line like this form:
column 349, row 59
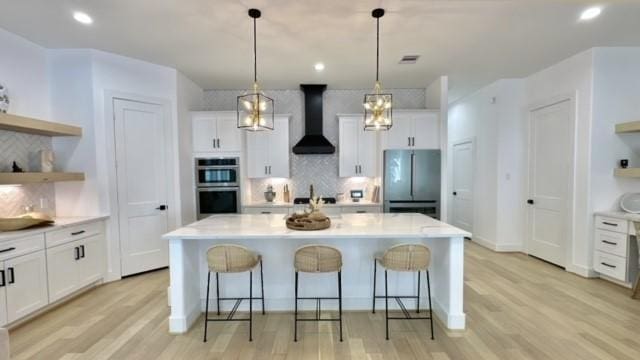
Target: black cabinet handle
column 408, row 141
column 455, row 193
column 265, row 212
column 361, row 212
column 609, row 242
column 82, row 251
column 162, row 207
column 78, row 233
column 608, row 265
column 214, row 143
column 12, row 276
column 610, row 224
column 218, row 143
column 76, row 253
column 2, row 279
column 7, row 250
column 530, row 202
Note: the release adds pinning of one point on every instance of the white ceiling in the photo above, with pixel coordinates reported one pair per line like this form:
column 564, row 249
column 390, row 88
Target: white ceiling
column 473, row 41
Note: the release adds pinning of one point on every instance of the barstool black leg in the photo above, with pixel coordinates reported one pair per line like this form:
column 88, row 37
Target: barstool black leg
column 250, row 305
column 375, row 265
column 340, row 301
column 386, row 303
column 206, row 306
column 262, row 286
column 418, row 299
column 217, row 294
column 430, row 307
column 295, row 326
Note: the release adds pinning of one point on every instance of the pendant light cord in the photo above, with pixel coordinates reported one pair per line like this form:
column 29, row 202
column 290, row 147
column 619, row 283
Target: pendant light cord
column 255, row 54
column 377, row 49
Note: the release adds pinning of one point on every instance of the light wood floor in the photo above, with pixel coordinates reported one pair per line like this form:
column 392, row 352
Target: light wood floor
column 517, row 308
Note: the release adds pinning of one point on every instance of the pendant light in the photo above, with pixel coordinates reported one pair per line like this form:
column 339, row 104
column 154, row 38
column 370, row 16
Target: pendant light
column 378, row 105
column 255, row 110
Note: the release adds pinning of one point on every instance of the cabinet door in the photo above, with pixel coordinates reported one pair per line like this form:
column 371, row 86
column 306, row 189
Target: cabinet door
column 26, row 285
column 398, row 137
column 204, row 132
column 3, row 295
column 92, row 264
column 349, row 130
column 279, row 149
column 367, row 152
column 228, row 134
column 63, row 270
column 426, row 131
column 257, row 154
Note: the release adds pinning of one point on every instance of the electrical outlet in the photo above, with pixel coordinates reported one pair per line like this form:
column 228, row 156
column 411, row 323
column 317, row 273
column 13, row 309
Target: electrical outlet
column 44, row 203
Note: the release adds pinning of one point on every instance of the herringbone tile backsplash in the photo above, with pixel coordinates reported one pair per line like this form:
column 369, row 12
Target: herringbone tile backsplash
column 18, row 147
column 319, row 170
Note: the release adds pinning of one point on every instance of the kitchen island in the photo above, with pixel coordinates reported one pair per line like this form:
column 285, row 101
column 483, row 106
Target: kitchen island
column 358, row 236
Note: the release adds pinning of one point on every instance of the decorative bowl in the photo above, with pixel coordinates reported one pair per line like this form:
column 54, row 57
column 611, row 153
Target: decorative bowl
column 630, row 202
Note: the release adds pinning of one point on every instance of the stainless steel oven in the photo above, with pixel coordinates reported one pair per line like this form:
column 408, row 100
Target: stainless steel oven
column 430, row 207
column 217, row 186
column 217, row 172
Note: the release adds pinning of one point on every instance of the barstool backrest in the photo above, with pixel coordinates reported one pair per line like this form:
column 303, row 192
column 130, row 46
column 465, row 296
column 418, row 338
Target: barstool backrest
column 317, row 259
column 231, row 258
column 407, row 257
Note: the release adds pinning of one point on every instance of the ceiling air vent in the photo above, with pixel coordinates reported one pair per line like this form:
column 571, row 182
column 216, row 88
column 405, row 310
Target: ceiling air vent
column 409, row 59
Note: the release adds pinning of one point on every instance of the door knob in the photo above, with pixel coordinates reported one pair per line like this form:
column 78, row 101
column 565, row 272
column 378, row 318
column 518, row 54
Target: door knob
column 162, row 207
column 530, row 202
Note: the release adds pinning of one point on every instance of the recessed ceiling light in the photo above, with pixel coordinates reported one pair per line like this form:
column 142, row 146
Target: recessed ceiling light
column 319, row 66
column 82, row 18
column 591, row 13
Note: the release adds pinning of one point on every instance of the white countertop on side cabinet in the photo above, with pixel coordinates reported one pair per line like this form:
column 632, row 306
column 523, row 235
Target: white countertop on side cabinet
column 60, row 223
column 358, row 226
column 619, row 215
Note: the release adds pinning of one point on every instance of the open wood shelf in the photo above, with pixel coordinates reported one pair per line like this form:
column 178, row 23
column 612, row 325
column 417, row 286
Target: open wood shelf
column 35, row 126
column 34, row 177
column 628, row 127
column 628, row 172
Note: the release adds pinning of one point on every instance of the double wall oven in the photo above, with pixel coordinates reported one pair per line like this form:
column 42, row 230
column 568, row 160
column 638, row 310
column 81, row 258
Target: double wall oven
column 217, row 186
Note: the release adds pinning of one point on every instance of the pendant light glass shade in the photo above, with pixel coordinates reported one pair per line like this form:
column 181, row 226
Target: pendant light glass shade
column 378, row 106
column 255, row 109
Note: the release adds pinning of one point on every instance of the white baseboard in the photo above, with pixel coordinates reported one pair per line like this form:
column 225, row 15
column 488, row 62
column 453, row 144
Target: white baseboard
column 484, row 242
column 582, row 271
column 509, row 248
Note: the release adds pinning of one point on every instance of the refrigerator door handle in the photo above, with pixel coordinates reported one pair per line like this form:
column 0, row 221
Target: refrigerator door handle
column 413, row 172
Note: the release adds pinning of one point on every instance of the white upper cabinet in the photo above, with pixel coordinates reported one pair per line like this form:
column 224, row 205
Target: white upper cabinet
column 413, row 129
column 268, row 151
column 216, row 131
column 357, row 148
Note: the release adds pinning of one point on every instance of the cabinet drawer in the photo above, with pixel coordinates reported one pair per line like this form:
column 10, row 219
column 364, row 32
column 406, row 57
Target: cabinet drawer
column 612, row 242
column 612, row 224
column 73, row 233
column 21, row 246
column 360, row 209
column 611, row 265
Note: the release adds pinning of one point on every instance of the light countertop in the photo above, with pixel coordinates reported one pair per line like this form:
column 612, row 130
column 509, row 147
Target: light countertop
column 60, row 223
column 619, row 215
column 277, row 204
column 357, row 226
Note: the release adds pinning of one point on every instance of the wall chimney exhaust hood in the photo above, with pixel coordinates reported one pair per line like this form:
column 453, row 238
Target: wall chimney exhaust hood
column 313, row 141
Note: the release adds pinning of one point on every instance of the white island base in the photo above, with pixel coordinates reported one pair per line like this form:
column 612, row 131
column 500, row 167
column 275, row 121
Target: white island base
column 358, row 236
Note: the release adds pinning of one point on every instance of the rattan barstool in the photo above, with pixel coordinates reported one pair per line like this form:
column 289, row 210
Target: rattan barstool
column 233, row 259
column 403, row 258
column 318, row 259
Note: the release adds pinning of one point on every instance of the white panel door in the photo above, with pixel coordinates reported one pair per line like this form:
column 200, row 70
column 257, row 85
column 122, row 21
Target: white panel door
column 26, row 278
column 426, row 131
column 279, row 149
column 367, row 152
column 549, row 164
column 142, row 187
column 349, row 129
column 229, row 137
column 462, row 196
column 204, row 133
column 398, row 137
column 257, row 154
column 3, row 295
column 62, row 269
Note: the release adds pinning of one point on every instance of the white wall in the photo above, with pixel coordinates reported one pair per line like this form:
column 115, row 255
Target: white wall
column 189, row 97
column 492, row 117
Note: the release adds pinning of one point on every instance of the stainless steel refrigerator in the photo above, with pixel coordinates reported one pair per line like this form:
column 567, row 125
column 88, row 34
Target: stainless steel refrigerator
column 412, row 181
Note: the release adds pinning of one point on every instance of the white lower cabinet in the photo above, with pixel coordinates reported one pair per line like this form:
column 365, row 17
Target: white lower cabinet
column 3, row 296
column 26, row 284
